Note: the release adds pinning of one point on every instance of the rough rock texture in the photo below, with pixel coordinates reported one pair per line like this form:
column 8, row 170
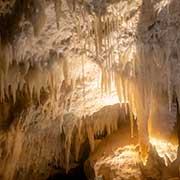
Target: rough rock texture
column 53, row 54
column 114, row 159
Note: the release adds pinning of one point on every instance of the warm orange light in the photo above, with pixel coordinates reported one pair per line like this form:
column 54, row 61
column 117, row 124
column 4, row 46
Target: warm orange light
column 124, row 161
column 144, row 149
column 165, row 149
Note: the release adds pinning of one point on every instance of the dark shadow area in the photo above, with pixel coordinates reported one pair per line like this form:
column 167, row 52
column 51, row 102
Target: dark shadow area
column 75, row 174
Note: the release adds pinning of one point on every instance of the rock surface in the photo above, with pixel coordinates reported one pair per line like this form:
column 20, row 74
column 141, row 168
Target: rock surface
column 64, row 66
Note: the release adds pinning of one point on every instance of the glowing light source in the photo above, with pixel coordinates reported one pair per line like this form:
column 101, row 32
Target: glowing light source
column 165, row 149
column 110, row 99
column 123, row 162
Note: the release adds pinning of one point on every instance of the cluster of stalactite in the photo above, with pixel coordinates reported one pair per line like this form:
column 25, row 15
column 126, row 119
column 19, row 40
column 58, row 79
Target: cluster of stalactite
column 142, row 62
column 62, row 144
column 106, row 41
column 30, row 78
column 25, row 71
column 136, row 48
column 12, row 12
column 21, row 12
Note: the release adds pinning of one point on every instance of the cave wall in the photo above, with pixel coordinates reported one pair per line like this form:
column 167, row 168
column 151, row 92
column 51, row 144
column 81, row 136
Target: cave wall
column 51, row 53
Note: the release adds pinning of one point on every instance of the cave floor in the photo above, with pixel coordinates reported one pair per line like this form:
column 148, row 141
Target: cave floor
column 117, row 157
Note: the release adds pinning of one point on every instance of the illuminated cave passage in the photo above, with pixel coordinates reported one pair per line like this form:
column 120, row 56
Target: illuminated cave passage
column 90, row 89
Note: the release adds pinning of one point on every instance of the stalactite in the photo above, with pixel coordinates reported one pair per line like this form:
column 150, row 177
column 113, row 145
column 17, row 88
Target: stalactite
column 95, row 38
column 90, row 134
column 79, row 138
column 98, row 33
column 37, row 15
column 170, row 93
column 2, row 85
column 5, row 57
column 65, row 68
column 105, row 37
column 83, row 80
column 71, row 4
column 68, row 128
column 118, row 86
column 108, row 42
column 105, row 81
column 57, row 6
column 12, row 82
